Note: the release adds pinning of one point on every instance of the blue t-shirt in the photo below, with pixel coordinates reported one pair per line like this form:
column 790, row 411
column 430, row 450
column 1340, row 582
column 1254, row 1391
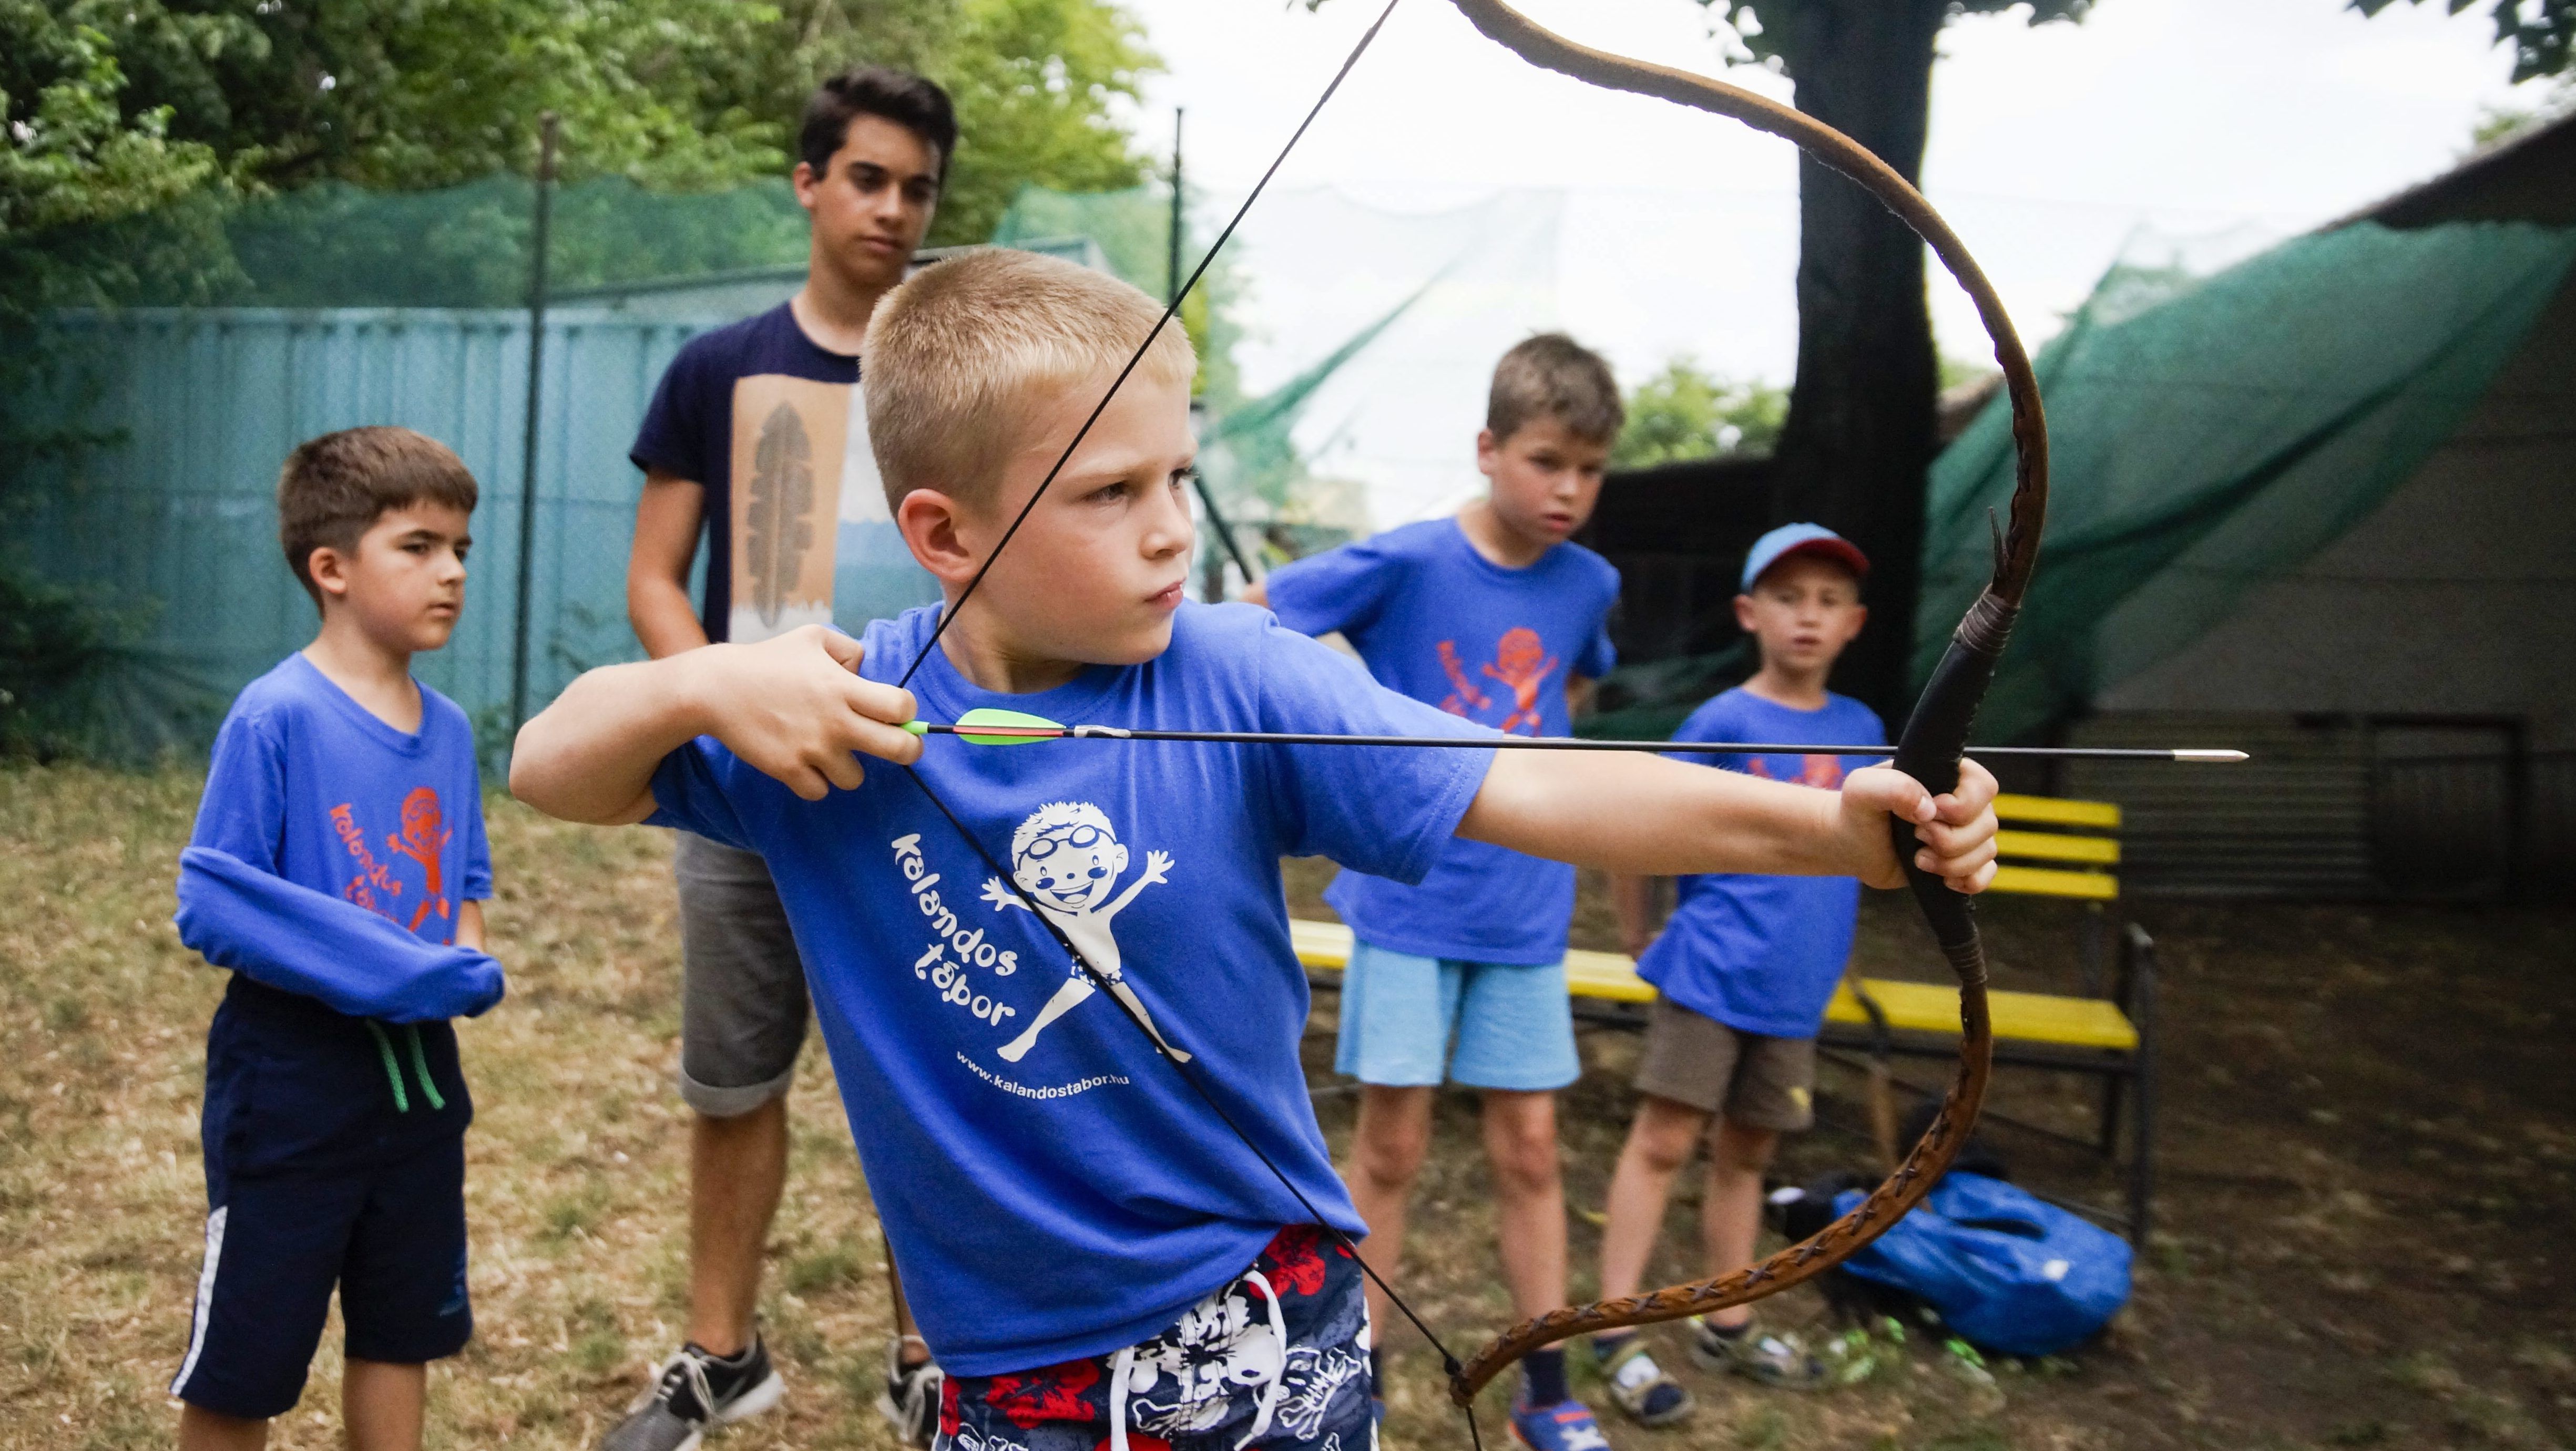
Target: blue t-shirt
column 1762, row 953
column 1050, row 1188
column 1445, row 625
column 773, row 427
column 308, row 785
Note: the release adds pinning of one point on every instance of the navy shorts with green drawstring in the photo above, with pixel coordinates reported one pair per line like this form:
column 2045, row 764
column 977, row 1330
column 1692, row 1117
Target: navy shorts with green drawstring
column 335, row 1159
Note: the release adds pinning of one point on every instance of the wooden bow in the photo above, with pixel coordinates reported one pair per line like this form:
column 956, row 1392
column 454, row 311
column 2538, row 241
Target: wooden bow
column 1935, row 735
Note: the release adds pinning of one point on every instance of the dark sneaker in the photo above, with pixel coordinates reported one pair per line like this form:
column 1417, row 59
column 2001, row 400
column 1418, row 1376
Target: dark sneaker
column 1774, row 1360
column 694, row 1393
column 1638, row 1386
column 911, row 1399
column 1565, row 1426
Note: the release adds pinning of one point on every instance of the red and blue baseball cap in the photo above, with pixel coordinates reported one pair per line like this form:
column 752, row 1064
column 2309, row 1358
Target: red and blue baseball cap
column 1797, row 539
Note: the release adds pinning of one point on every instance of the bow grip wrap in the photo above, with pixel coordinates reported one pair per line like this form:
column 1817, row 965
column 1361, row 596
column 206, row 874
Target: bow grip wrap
column 1934, row 742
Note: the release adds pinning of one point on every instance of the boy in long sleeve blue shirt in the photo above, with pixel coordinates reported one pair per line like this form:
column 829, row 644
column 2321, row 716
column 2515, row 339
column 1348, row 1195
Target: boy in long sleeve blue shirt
column 338, row 868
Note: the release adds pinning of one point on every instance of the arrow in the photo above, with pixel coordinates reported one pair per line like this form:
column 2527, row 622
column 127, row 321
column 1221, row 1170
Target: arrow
column 988, row 727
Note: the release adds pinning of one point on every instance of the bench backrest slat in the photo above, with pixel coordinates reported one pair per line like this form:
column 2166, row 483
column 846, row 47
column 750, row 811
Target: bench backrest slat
column 2078, row 848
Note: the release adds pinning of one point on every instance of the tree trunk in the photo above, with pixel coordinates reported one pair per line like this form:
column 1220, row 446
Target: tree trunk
column 1858, row 440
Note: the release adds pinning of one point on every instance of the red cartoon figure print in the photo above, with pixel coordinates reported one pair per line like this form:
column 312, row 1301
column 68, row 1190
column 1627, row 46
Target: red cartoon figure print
column 424, row 837
column 1297, row 1260
column 1463, row 694
column 1032, row 1398
column 1521, row 662
column 1823, row 772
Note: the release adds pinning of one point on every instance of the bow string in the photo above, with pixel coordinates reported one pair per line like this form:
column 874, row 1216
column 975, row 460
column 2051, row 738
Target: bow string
column 1935, row 736
column 1930, row 749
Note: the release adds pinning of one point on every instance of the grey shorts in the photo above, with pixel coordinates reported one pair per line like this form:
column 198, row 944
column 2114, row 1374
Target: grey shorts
column 1697, row 1061
column 742, row 987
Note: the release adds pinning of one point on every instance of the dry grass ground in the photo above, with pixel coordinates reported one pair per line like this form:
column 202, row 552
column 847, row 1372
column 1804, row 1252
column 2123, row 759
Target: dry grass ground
column 2370, row 1148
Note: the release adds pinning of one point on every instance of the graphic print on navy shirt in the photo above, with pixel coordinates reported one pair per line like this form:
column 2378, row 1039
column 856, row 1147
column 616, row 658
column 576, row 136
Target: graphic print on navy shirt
column 1445, row 625
column 775, row 429
column 308, row 785
column 1762, row 953
column 1052, row 1187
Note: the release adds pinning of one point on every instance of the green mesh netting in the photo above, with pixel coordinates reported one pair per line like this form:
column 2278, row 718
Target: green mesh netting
column 2207, row 435
column 1367, row 378
column 336, row 245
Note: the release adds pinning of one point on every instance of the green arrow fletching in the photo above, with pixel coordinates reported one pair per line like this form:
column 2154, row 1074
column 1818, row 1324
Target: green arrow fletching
column 1019, row 728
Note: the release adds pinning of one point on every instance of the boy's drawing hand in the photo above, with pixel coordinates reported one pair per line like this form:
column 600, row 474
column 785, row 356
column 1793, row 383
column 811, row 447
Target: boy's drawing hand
column 999, row 893
column 795, row 708
column 1158, row 867
column 1957, row 830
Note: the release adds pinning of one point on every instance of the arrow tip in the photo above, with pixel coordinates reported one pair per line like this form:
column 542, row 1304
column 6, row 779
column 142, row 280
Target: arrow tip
column 2211, row 756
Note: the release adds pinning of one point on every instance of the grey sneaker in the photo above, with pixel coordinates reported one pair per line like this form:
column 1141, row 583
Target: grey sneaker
column 911, row 1399
column 696, row 1391
column 1774, row 1360
column 1637, row 1385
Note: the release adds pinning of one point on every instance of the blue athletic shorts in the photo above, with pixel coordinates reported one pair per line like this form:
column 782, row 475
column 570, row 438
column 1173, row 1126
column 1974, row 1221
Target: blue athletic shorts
column 1275, row 1359
column 318, row 1179
column 1512, row 1024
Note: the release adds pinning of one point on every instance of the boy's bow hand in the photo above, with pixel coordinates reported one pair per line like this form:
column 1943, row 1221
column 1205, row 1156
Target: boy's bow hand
column 794, row 707
column 1956, row 831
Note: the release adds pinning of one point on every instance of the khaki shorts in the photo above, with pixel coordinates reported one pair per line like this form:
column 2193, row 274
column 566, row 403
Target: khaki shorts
column 1699, row 1062
column 742, row 987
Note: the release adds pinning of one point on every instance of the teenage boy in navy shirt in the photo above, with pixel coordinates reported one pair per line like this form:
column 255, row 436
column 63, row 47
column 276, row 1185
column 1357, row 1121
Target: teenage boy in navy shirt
column 1744, row 968
column 1496, row 616
column 757, row 438
column 338, row 868
column 1095, row 1247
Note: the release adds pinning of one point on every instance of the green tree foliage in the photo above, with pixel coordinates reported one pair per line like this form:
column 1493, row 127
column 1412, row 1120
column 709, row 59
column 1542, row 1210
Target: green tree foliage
column 1686, row 412
column 2542, row 33
column 1035, row 82
column 2503, row 123
column 79, row 157
column 194, row 150
column 122, row 112
column 1767, row 30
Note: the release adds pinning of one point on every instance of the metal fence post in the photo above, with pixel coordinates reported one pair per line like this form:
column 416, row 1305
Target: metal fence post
column 546, row 130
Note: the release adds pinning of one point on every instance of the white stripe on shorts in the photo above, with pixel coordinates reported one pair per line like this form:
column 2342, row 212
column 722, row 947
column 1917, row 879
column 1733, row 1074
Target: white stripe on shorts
column 205, row 1297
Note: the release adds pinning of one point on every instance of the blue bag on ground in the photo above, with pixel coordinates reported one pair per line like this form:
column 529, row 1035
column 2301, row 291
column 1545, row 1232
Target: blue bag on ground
column 2009, row 1272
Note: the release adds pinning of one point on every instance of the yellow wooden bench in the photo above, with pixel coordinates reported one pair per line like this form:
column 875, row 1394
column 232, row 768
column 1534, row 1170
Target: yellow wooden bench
column 1919, row 1007
column 2108, row 1036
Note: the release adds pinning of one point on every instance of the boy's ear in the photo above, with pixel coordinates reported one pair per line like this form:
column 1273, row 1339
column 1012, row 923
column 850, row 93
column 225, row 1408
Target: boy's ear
column 329, row 570
column 1744, row 613
column 931, row 523
column 1488, row 450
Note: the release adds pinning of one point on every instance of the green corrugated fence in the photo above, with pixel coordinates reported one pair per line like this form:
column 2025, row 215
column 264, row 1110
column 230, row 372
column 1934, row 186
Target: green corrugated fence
column 175, row 512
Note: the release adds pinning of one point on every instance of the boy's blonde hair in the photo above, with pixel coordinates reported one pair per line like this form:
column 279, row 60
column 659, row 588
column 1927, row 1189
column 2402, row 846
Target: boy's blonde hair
column 955, row 353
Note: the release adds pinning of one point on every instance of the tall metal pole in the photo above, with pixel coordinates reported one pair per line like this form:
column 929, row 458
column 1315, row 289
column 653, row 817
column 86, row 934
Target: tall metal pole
column 1214, row 588
column 546, row 131
column 1172, row 272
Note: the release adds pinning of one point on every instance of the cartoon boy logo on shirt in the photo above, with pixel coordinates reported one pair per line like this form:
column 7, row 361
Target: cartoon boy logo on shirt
column 1822, row 772
column 1521, row 665
column 1066, row 859
column 424, row 838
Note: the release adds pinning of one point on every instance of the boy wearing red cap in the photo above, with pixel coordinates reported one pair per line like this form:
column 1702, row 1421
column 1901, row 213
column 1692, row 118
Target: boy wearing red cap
column 1744, row 970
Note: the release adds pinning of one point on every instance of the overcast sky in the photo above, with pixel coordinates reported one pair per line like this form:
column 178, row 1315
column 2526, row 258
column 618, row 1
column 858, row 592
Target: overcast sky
column 2052, row 149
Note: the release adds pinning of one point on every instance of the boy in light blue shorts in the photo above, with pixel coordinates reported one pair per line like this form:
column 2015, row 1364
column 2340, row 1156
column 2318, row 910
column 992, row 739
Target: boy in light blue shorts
column 1492, row 615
